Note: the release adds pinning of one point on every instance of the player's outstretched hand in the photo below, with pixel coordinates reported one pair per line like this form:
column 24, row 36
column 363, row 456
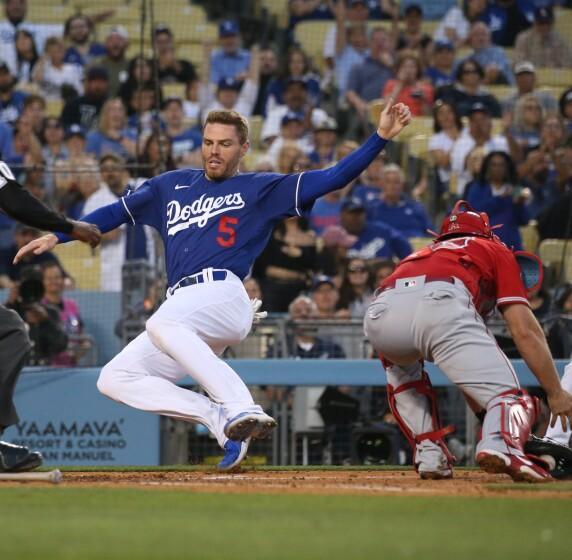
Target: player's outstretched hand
column 88, row 233
column 393, row 119
column 37, row 246
column 560, row 405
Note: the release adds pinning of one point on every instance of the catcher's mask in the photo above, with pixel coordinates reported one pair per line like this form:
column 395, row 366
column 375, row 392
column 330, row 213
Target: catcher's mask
column 465, row 220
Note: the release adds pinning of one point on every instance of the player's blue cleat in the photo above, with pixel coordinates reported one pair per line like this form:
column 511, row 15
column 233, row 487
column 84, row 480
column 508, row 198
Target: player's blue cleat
column 234, row 453
column 249, row 424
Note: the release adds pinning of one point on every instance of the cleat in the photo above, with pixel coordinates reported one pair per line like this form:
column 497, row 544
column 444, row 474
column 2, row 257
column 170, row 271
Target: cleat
column 557, row 456
column 15, row 458
column 445, row 474
column 518, row 467
column 257, row 425
column 234, row 454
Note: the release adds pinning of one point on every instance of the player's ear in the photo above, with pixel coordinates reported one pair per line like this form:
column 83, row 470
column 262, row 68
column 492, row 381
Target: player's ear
column 244, row 148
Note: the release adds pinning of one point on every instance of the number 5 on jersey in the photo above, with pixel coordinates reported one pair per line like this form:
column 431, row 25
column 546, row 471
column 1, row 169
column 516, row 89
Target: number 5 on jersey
column 226, row 228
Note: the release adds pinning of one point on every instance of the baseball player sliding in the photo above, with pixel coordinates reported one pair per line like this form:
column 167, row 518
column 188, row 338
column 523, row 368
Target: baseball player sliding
column 214, row 223
column 432, row 308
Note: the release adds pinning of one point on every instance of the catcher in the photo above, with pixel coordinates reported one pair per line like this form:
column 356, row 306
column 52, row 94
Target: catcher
column 432, row 308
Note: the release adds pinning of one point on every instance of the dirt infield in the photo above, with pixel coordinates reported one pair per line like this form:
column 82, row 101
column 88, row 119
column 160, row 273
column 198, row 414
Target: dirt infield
column 351, row 482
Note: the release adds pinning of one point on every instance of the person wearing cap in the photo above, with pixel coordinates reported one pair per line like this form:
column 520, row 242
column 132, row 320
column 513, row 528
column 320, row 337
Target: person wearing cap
column 229, row 93
column 468, row 89
column 325, row 295
column 325, row 139
column 292, row 133
column 295, row 100
column 478, row 133
column 525, row 78
column 229, row 60
column 11, row 102
column 412, row 37
column 375, row 240
column 84, row 110
column 170, row 68
column 441, row 70
column 114, row 60
column 78, row 33
column 542, row 44
column 492, row 58
column 454, row 27
column 185, row 141
column 508, row 18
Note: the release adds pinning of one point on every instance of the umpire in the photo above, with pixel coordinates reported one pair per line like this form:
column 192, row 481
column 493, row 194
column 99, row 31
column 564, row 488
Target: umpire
column 14, row 342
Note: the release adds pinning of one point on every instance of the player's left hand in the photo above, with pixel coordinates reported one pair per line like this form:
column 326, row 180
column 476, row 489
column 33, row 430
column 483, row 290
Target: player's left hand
column 37, row 246
column 393, row 119
column 257, row 315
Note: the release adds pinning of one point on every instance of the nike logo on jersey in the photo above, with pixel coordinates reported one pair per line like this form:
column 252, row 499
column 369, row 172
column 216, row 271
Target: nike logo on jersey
column 177, row 187
column 200, row 211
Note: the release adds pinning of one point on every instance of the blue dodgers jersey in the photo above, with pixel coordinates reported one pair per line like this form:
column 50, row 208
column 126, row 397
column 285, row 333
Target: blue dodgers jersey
column 220, row 224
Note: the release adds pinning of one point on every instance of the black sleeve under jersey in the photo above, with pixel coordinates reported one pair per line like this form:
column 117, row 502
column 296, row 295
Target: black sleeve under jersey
column 19, row 204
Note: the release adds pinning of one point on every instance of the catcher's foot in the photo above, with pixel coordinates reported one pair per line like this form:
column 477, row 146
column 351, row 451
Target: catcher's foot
column 16, row 458
column 557, row 456
column 257, row 425
column 431, row 462
column 518, row 467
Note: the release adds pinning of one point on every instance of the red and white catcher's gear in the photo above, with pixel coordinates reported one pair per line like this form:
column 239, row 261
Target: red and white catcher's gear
column 506, row 428
column 413, row 402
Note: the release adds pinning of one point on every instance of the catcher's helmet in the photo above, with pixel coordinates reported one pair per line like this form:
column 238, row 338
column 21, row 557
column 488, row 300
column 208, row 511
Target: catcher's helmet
column 465, row 220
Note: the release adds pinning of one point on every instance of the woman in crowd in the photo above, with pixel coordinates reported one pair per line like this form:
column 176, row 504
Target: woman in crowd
column 26, row 56
column 156, row 156
column 356, row 290
column 409, row 87
column 139, row 73
column 53, row 149
column 527, row 122
column 447, row 127
column 498, row 194
column 113, row 135
column 26, row 148
column 565, row 104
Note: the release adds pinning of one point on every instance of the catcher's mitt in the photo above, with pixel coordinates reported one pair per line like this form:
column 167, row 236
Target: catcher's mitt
column 557, row 456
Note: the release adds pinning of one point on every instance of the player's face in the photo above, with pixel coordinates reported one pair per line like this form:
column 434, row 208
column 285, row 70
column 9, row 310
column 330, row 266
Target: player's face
column 221, row 151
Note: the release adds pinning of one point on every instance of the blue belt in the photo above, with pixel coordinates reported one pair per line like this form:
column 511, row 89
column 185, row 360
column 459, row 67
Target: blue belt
column 206, row 275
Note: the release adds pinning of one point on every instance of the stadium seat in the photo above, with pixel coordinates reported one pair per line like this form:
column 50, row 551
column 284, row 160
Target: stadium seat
column 191, row 52
column 529, row 235
column 554, row 77
column 418, row 146
column 311, row 35
column 54, row 107
column 278, row 8
column 56, row 14
column 82, row 263
column 420, row 242
column 501, row 92
column 255, row 123
column 173, row 90
column 553, row 252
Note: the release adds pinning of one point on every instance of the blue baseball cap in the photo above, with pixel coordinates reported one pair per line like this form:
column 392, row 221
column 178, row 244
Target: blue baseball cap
column 228, row 28
column 292, row 116
column 322, row 279
column 443, row 46
column 229, row 83
column 75, row 130
column 353, row 204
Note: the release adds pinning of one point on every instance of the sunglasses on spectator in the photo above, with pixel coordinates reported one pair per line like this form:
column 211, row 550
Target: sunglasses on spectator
column 357, row 269
column 470, row 71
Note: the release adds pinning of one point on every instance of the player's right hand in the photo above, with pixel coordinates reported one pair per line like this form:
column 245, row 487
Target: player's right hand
column 560, row 404
column 37, row 246
column 88, row 233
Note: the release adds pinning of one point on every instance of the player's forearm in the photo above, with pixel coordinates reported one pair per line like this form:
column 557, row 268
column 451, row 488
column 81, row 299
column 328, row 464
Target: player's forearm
column 320, row 182
column 105, row 218
column 19, row 204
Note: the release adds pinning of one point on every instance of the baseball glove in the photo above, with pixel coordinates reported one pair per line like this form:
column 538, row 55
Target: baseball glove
column 557, row 456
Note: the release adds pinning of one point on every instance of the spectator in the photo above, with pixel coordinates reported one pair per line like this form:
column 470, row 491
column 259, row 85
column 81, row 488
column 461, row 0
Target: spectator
column 84, row 111
column 11, row 102
column 565, row 106
column 287, row 157
column 76, row 184
column 15, row 12
column 325, row 139
column 447, row 127
column 26, row 148
column 253, row 289
column 560, row 333
column 231, row 94
column 411, row 37
column 156, row 156
column 540, row 303
column 112, row 135
column 121, row 244
column 171, row 69
column 455, row 26
column 191, row 105
column 6, row 137
column 57, row 79
column 371, row 181
column 368, row 78
column 142, row 116
column 356, row 291
column 542, row 45
column 268, row 73
column 525, row 77
column 336, row 242
column 326, row 296
column 441, row 70
column 114, row 60
column 296, row 67
column 507, row 18
column 139, row 74
column 468, row 90
column 498, row 194
column 295, row 100
column 409, row 87
column 185, row 141
column 527, row 124
column 229, row 60
column 26, row 57
column 291, row 132
column 351, row 49
column 477, row 134
column 69, row 315
column 45, row 329
column 82, row 50
column 53, row 149
column 35, row 109
column 286, row 263
column 375, row 240
column 395, row 209
column 491, row 58
column 381, row 271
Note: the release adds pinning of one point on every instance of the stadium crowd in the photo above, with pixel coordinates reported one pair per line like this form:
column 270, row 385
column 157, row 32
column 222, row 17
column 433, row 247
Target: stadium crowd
column 81, row 122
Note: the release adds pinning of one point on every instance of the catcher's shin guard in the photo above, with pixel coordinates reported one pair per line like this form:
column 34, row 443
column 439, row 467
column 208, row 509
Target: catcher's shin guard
column 431, row 457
